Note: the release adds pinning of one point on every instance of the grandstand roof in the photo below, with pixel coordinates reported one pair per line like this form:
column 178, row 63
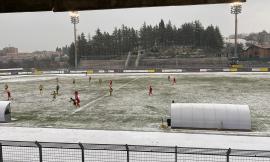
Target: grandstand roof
column 69, row 5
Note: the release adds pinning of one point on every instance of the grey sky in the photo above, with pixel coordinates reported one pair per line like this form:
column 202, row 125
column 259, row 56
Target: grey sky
column 46, row 30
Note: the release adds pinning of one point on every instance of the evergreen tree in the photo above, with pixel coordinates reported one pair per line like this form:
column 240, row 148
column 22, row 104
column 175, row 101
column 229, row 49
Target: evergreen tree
column 161, row 33
column 82, row 46
column 125, row 39
column 71, row 52
column 188, row 34
column 198, row 33
column 209, row 37
column 169, row 34
column 219, row 40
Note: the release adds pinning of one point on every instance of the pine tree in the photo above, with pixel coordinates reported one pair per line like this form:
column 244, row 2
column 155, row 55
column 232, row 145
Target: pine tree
column 198, row 33
column 82, row 46
column 219, row 39
column 125, row 39
column 71, row 55
column 187, row 33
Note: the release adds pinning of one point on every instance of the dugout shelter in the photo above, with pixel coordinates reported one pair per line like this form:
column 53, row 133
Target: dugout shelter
column 5, row 112
column 210, row 116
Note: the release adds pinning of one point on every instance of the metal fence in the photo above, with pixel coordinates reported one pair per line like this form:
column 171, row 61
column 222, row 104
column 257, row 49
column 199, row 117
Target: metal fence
column 14, row 151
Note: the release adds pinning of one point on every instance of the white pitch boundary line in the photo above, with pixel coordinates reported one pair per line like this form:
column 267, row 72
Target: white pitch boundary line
column 83, row 107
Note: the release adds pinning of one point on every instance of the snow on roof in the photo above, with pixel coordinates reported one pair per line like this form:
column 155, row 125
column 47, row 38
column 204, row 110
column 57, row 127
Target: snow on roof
column 258, row 46
column 241, row 41
column 262, row 46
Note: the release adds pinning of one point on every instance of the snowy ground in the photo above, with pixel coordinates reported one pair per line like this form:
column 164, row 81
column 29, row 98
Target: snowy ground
column 26, row 154
column 135, row 138
column 130, row 108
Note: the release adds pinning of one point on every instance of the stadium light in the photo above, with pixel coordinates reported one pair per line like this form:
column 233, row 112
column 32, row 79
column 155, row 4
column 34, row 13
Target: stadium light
column 236, row 8
column 74, row 15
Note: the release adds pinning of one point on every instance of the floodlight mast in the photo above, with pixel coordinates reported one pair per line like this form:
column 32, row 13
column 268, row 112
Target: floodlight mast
column 236, row 8
column 74, row 16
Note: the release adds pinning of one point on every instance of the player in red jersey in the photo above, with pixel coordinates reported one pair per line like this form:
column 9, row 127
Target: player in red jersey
column 9, row 95
column 77, row 99
column 150, row 91
column 174, row 81
column 110, row 83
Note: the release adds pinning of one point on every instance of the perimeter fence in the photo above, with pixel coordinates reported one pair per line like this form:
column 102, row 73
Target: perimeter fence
column 22, row 151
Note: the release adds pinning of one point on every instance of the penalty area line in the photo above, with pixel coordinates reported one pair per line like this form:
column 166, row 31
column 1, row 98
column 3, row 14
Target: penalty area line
column 88, row 104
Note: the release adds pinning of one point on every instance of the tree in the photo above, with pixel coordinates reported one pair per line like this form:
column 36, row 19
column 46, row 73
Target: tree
column 262, row 37
column 58, row 49
column 187, row 33
column 218, row 40
column 125, row 39
column 71, row 52
column 209, row 37
column 65, row 50
column 198, row 34
column 82, row 46
column 161, row 33
column 144, row 36
column 169, row 34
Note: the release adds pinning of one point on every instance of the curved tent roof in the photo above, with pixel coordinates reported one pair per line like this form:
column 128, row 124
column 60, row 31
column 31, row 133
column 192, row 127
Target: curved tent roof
column 4, row 107
column 210, row 116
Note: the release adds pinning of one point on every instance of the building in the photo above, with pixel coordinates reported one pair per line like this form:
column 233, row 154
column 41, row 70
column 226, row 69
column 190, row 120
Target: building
column 239, row 41
column 10, row 51
column 256, row 52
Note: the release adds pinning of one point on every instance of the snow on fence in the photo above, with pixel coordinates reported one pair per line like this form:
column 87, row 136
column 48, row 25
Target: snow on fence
column 12, row 151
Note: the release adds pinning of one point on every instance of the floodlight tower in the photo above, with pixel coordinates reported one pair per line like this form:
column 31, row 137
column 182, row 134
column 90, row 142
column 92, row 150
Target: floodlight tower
column 236, row 8
column 74, row 15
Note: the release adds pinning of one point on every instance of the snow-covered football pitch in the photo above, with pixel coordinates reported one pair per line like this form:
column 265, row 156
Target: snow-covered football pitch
column 130, row 107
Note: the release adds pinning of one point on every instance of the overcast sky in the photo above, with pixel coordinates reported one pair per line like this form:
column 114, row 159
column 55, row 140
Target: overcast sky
column 47, row 30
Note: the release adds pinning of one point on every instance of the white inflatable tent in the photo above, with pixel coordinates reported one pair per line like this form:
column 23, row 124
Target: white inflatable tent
column 210, row 116
column 5, row 111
